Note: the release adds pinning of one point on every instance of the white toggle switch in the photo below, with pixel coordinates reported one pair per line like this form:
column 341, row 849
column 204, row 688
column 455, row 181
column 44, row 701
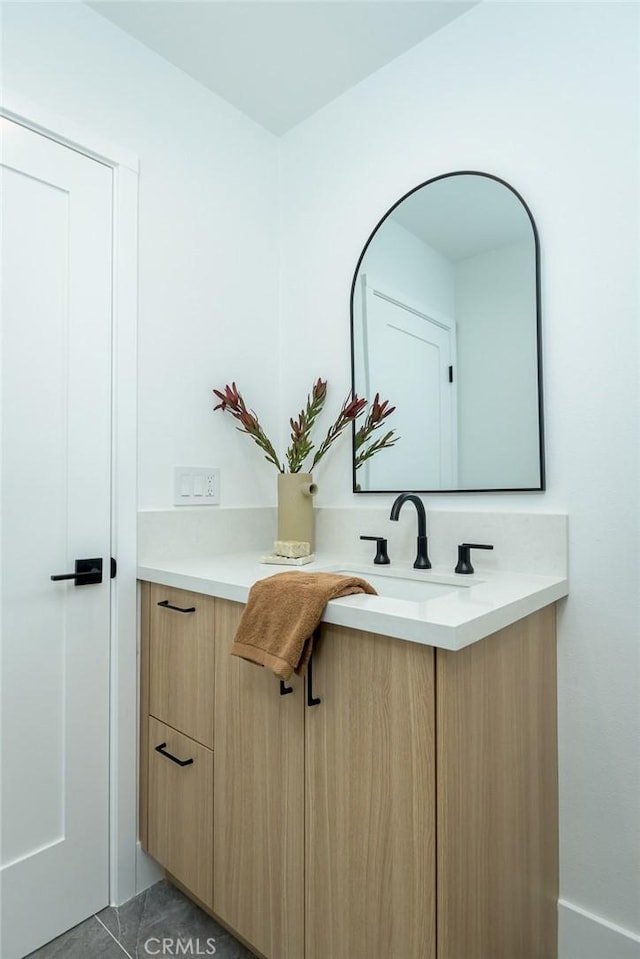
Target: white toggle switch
column 198, row 485
column 186, row 484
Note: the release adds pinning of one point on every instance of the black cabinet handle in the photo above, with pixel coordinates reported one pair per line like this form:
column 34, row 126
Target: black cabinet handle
column 284, row 689
column 179, row 609
column 311, row 699
column 174, row 759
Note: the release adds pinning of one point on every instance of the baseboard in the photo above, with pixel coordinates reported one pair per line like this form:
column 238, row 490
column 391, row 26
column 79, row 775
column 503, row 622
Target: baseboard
column 148, row 871
column 583, row 935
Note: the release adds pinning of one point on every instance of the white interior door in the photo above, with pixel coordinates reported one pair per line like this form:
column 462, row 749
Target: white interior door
column 408, row 357
column 56, row 478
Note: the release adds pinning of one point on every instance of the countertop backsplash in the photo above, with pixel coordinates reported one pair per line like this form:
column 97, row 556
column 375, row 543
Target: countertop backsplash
column 204, row 531
column 523, row 542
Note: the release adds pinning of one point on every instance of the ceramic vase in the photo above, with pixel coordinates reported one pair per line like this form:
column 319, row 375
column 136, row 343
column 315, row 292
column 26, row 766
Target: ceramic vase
column 295, row 507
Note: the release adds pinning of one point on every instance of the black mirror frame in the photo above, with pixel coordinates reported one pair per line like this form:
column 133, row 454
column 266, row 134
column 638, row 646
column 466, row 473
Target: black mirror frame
column 541, row 448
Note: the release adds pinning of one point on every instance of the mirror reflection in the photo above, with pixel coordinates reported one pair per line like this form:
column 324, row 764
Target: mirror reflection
column 445, row 324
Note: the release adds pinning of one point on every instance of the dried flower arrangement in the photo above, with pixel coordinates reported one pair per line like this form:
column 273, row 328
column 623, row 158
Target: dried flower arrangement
column 301, row 445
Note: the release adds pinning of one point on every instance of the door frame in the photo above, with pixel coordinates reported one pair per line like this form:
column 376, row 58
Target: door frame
column 123, row 634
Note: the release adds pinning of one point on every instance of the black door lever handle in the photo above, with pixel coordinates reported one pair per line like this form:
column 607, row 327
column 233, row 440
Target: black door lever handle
column 87, row 572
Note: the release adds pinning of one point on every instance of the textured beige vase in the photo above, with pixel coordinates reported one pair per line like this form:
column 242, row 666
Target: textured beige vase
column 295, row 507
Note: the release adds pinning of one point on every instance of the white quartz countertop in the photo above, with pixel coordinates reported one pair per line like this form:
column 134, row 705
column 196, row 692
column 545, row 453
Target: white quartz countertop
column 485, row 602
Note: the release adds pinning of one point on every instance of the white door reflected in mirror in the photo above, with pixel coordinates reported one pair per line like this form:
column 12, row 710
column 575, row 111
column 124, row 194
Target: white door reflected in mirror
column 409, row 357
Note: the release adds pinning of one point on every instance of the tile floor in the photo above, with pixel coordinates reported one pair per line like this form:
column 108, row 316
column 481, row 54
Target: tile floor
column 137, row 929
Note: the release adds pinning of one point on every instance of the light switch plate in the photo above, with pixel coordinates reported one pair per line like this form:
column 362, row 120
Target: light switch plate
column 196, row 486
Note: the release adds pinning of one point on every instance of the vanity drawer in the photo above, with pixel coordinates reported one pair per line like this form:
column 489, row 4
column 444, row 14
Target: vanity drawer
column 181, row 628
column 180, row 808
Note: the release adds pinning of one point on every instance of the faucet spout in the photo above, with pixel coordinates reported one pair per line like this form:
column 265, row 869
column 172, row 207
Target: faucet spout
column 422, row 557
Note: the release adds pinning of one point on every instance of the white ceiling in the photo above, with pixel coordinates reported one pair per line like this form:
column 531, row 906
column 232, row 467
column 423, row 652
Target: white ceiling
column 280, row 60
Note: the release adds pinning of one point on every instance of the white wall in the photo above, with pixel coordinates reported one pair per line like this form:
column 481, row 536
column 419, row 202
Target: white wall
column 497, row 368
column 208, row 217
column 546, row 97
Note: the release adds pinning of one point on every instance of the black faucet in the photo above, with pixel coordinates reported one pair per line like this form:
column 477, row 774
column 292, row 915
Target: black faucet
column 422, row 559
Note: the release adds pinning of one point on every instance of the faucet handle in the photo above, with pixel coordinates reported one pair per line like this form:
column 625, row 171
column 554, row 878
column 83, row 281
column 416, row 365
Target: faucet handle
column 382, row 557
column 464, row 556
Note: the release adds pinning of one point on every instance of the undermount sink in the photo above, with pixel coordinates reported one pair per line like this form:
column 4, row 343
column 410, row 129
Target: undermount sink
column 394, row 584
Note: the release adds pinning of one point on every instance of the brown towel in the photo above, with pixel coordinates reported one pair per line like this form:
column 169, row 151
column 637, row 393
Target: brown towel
column 277, row 626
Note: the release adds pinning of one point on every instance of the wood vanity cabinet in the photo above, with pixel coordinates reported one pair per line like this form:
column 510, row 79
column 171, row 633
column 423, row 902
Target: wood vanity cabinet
column 421, row 792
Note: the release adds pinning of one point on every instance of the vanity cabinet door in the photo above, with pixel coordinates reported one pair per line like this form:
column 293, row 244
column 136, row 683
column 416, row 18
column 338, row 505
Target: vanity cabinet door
column 181, row 626
column 258, row 800
column 498, row 794
column 180, row 808
column 370, row 816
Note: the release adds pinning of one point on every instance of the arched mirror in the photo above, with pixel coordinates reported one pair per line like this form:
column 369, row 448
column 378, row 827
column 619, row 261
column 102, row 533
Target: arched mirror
column 445, row 324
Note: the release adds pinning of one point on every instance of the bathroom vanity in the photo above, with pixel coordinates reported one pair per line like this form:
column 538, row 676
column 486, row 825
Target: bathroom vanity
column 410, row 813
column 401, row 801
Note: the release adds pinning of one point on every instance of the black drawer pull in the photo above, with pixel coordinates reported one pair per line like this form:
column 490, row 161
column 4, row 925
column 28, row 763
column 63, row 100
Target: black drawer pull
column 174, row 759
column 179, row 609
column 284, row 689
